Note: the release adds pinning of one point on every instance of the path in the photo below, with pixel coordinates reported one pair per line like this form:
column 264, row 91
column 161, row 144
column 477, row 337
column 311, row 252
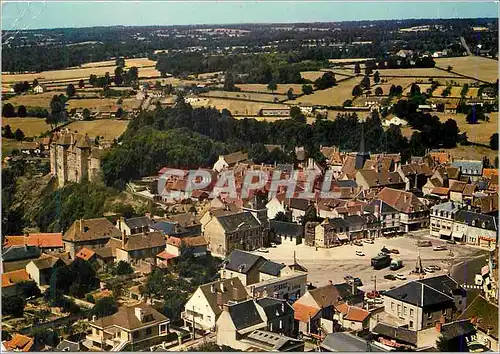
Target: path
column 464, row 44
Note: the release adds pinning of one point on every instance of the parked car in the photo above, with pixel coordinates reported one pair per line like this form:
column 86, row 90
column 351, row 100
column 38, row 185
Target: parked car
column 390, row 277
column 400, row 277
column 273, row 245
column 263, row 250
column 453, row 242
column 434, row 267
column 440, row 248
column 424, row 243
column 370, row 241
column 428, row 270
column 395, row 251
column 359, row 253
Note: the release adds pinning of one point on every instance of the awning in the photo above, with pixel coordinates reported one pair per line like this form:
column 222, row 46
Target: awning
column 342, row 237
column 446, row 233
column 457, row 234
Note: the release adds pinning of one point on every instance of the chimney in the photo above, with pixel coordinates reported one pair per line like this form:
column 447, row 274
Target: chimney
column 236, row 293
column 220, row 301
column 124, row 238
column 438, row 327
column 139, row 313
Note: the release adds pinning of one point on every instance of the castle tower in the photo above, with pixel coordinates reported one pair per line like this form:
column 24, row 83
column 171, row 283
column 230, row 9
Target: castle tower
column 63, row 144
column 362, row 155
column 82, row 158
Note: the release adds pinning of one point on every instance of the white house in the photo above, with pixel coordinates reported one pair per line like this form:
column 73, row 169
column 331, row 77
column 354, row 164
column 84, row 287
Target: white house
column 275, row 205
column 395, row 121
column 38, row 89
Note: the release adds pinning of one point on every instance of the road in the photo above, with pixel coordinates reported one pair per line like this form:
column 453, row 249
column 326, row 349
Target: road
column 464, row 44
column 464, row 273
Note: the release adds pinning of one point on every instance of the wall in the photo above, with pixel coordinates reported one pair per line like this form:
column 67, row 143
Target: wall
column 216, row 237
column 280, row 288
column 199, row 304
column 32, row 270
column 274, row 207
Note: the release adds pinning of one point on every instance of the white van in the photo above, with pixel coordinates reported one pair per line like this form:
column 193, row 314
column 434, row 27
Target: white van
column 478, row 280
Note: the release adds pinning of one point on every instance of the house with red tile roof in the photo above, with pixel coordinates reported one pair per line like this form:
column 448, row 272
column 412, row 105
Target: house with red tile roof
column 47, row 242
column 352, row 317
column 414, row 214
column 10, row 279
column 19, row 343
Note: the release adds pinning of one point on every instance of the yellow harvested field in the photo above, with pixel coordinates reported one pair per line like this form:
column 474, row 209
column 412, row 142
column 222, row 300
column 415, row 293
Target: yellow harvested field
column 473, row 152
column 352, row 60
column 438, row 91
column 31, row 126
column 334, row 96
column 282, row 88
column 236, row 107
column 73, row 74
column 416, row 72
column 108, row 128
column 246, row 95
column 477, row 133
column 456, row 91
column 137, row 62
column 477, row 67
column 423, row 88
column 456, row 81
column 311, row 75
column 32, row 100
column 472, row 92
column 94, row 104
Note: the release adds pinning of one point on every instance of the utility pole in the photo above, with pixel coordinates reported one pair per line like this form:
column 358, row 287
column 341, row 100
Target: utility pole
column 374, row 279
column 194, row 324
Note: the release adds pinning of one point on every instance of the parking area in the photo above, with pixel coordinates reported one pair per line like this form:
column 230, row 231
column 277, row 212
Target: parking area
column 335, row 263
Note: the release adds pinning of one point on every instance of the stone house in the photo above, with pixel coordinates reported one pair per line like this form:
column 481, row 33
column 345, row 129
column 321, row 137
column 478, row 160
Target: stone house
column 299, row 208
column 351, row 317
column 135, row 326
column 230, row 160
column 225, row 233
column 10, row 279
column 89, row 233
column 331, row 232
column 136, row 247
column 243, row 265
column 475, row 229
column 442, row 219
column 134, row 225
column 40, row 270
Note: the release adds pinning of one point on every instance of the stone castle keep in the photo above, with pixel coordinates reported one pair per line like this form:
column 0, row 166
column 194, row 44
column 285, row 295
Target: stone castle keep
column 73, row 158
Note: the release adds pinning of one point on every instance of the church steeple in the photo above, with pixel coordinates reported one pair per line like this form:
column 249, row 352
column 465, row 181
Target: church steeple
column 362, row 155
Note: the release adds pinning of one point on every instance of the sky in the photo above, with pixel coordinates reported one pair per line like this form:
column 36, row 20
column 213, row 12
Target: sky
column 55, row 14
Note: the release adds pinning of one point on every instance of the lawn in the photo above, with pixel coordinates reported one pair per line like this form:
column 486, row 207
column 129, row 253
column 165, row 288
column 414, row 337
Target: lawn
column 31, row 126
column 263, row 97
column 311, row 75
column 334, row 96
column 137, row 62
column 282, row 88
column 351, row 60
column 94, row 104
column 473, row 152
column 108, row 128
column 477, row 67
column 236, row 107
column 416, row 72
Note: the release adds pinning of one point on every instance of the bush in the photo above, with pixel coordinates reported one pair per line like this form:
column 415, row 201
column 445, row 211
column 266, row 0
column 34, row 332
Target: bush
column 90, row 298
column 13, row 305
column 106, row 306
column 123, row 268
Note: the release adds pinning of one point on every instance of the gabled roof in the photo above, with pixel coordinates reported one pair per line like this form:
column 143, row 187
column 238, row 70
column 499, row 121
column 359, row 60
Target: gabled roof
column 138, row 222
column 235, row 157
column 19, row 342
column 398, row 333
column 402, row 201
column 345, row 291
column 91, row 229
column 85, row 254
column 245, row 314
column 286, row 228
column 184, row 219
column 16, row 253
column 274, row 308
column 352, row 313
column 299, row 204
column 233, row 290
column 484, row 314
column 233, row 222
column 470, row 167
column 126, row 318
column 354, row 220
column 165, row 255
column 443, row 283
column 380, row 179
column 348, row 342
column 419, row 294
column 457, row 186
column 271, row 268
column 243, row 262
column 326, row 296
column 487, row 222
column 42, row 240
column 304, row 313
column 17, row 276
column 143, row 241
column 194, row 241
column 457, row 329
column 46, row 262
column 383, row 207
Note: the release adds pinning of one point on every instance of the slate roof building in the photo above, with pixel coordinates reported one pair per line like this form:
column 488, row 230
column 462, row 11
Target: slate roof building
column 286, row 232
column 332, row 232
column 239, row 230
column 133, row 248
column 238, row 323
column 348, row 342
column 420, row 304
column 476, row 229
column 244, row 265
column 484, row 316
column 471, row 169
column 442, row 219
column 230, row 160
column 134, row 225
column 19, row 253
column 387, row 216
